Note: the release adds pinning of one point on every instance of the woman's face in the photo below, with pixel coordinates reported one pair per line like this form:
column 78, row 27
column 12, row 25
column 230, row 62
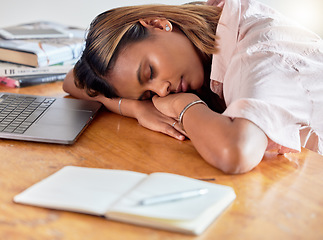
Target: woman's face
column 165, row 63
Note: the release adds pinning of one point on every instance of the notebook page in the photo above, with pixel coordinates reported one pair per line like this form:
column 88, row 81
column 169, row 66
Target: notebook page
column 165, row 183
column 85, row 190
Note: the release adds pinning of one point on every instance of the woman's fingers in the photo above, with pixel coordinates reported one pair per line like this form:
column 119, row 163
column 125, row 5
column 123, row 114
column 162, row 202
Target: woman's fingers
column 174, row 131
column 177, row 126
column 149, row 117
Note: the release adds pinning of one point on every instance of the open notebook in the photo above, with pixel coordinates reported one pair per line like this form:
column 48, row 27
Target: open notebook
column 117, row 194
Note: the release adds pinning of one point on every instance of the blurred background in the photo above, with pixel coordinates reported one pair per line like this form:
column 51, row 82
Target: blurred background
column 79, row 13
column 308, row 13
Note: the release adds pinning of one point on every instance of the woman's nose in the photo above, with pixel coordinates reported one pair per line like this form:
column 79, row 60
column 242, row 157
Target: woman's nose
column 162, row 89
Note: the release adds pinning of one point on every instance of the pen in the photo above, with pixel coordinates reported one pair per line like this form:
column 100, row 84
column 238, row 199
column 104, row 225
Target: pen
column 174, row 196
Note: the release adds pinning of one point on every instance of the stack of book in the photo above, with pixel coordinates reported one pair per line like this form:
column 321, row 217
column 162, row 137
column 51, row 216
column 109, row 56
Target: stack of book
column 31, row 61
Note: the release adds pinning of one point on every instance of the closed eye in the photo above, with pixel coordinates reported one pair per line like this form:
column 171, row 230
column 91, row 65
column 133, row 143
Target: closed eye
column 149, row 77
column 151, row 72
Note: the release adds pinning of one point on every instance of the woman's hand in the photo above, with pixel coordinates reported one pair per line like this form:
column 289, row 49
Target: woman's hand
column 173, row 104
column 149, row 117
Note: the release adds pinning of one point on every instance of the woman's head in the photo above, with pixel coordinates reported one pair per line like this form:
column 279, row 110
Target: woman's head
column 114, row 33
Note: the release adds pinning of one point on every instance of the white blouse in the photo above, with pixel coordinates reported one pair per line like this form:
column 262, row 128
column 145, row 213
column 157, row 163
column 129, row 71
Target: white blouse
column 269, row 70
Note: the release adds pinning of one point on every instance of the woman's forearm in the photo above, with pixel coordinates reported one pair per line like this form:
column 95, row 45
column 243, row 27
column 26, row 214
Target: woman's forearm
column 69, row 87
column 234, row 146
column 125, row 107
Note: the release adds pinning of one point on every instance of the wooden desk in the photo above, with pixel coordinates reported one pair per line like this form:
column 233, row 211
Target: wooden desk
column 281, row 199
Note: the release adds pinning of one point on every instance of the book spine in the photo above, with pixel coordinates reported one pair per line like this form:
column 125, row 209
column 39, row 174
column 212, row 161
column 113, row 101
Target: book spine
column 19, row 71
column 42, row 53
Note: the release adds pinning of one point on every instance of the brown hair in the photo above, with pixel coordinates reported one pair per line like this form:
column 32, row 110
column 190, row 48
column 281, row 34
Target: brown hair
column 112, row 30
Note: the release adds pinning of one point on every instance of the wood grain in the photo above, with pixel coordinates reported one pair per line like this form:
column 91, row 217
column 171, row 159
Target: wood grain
column 280, row 199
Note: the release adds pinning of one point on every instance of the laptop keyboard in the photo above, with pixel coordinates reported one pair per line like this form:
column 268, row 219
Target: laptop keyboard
column 17, row 113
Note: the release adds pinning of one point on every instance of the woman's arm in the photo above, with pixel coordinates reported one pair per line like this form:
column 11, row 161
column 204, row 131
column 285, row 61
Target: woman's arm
column 144, row 111
column 232, row 145
column 69, row 87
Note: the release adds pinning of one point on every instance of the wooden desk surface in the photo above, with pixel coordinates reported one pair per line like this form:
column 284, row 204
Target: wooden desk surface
column 280, row 199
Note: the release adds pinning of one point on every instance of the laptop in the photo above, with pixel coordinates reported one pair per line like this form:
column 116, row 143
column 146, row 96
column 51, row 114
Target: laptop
column 44, row 119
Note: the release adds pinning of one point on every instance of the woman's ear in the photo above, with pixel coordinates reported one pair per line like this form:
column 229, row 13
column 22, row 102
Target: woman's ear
column 157, row 23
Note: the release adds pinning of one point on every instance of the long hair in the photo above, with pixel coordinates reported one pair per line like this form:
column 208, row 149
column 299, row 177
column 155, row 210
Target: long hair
column 110, row 31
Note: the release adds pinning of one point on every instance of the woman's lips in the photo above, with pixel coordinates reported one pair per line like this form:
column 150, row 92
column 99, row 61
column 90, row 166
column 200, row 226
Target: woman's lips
column 182, row 86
